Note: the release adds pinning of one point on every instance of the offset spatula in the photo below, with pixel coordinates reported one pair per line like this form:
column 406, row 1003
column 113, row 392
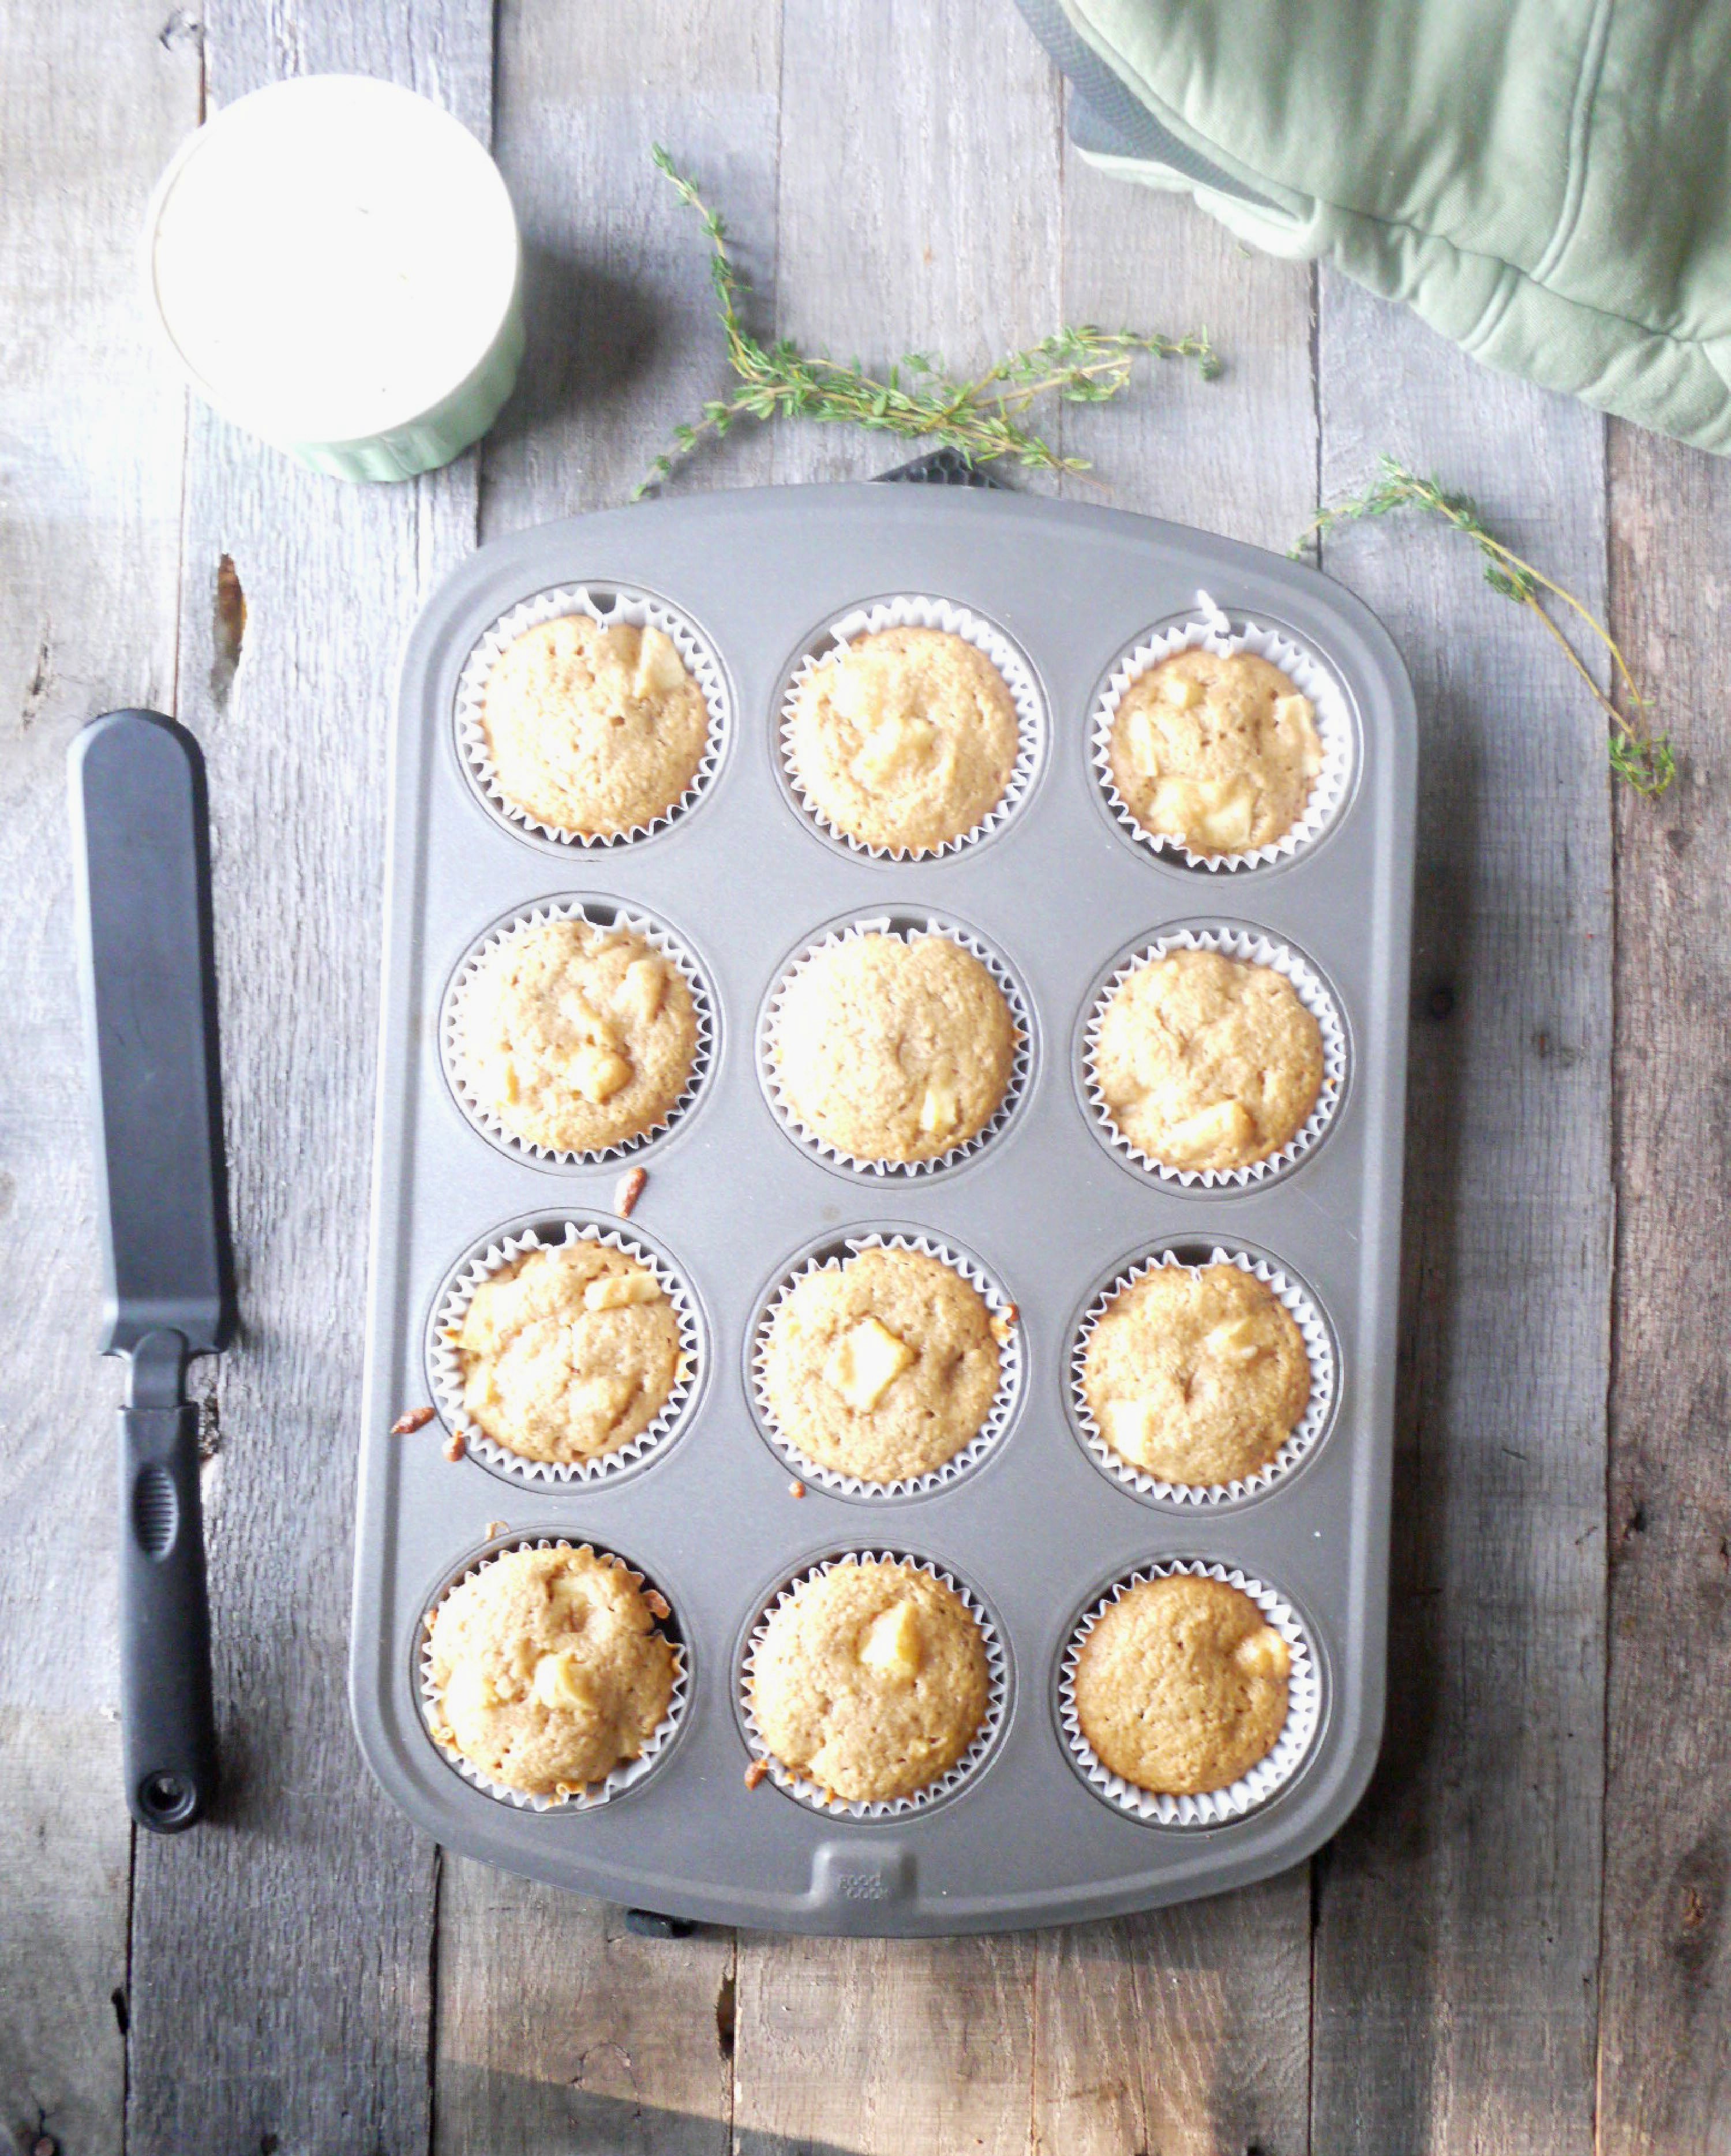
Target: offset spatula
column 142, row 848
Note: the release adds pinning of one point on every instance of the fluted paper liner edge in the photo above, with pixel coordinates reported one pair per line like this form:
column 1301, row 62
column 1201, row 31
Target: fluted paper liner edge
column 1254, row 1788
column 540, row 915
column 444, row 1368
column 1307, row 1432
column 917, row 610
column 1211, row 630
column 640, row 610
column 859, row 1807
column 592, row 1794
column 998, row 1414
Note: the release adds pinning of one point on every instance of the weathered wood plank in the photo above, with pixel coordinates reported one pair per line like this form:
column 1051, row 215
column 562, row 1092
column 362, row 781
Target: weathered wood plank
column 561, row 2031
column 64, row 1860
column 1665, row 2003
column 623, row 338
column 876, row 2047
column 1458, row 1914
column 920, row 199
column 912, row 216
column 1186, row 2029
column 91, row 105
column 282, row 1953
column 1237, row 455
column 556, row 2029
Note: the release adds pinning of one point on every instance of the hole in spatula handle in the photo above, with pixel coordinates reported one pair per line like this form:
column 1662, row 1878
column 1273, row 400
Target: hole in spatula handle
column 168, row 1799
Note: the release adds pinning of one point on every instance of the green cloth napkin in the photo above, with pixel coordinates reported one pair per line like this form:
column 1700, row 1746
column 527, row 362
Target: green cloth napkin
column 1545, row 180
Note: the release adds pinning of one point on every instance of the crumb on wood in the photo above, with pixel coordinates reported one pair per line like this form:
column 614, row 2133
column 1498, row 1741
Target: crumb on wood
column 455, row 1445
column 658, row 1605
column 411, row 1418
column 796, row 1489
column 758, row 1771
column 628, row 1190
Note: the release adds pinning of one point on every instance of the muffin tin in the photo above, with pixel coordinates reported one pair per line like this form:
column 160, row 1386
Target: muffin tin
column 1037, row 1530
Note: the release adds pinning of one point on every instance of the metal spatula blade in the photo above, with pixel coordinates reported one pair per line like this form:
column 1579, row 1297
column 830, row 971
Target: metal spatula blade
column 141, row 872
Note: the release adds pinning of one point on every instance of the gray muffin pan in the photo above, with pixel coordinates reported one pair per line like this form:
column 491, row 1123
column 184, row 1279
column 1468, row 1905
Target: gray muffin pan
column 1036, row 1529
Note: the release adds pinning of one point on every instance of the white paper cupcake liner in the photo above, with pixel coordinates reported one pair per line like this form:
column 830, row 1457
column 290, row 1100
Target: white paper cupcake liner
column 997, row 1698
column 998, row 1415
column 593, row 1794
column 1021, row 1062
column 1270, row 1775
column 445, row 1369
column 1307, row 985
column 1318, row 1348
column 641, row 610
column 1213, row 632
column 486, row 1118
column 913, row 610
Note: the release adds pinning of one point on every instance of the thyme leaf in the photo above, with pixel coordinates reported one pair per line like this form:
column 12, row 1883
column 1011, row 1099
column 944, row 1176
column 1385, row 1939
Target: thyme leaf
column 1640, row 759
column 986, row 418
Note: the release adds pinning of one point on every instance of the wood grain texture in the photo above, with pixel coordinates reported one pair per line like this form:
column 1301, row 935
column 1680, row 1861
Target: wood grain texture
column 65, row 1858
column 1458, row 1913
column 912, row 214
column 879, row 2047
column 281, row 1955
column 622, row 339
column 921, row 204
column 557, row 2030
column 1665, row 2005
column 1185, row 2030
column 90, row 106
column 1237, row 455
column 563, row 2034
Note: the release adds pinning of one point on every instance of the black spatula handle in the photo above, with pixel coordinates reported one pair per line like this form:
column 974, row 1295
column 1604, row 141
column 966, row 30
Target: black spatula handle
column 168, row 1732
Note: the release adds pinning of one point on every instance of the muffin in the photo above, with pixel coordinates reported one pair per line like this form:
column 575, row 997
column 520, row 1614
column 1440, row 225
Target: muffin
column 566, row 1354
column 1207, row 1062
column 871, row 1682
column 883, row 1366
column 893, row 1050
column 548, row 1672
column 1196, row 1376
column 592, row 730
column 576, row 1038
column 1181, row 1687
column 1219, row 752
column 906, row 739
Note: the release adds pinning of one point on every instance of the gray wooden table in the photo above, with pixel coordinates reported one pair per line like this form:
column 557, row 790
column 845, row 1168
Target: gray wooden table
column 1520, row 1943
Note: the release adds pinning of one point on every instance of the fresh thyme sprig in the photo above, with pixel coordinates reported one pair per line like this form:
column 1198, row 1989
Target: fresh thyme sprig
column 985, row 417
column 1644, row 761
